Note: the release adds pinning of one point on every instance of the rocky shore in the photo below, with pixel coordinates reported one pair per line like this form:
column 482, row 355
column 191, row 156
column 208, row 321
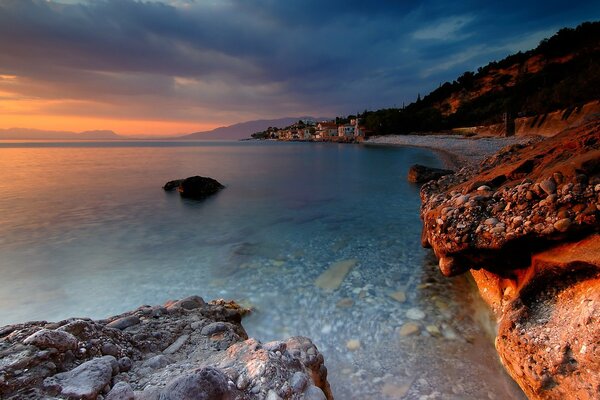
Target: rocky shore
column 525, row 223
column 186, row 349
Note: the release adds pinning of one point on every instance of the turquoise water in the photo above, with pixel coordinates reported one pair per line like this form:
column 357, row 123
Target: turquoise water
column 86, row 230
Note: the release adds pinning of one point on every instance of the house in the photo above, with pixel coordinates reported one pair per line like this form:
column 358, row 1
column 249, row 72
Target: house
column 326, row 130
column 346, row 130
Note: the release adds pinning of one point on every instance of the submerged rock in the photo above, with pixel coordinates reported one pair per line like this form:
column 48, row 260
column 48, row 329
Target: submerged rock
column 421, row 174
column 184, row 349
column 332, row 278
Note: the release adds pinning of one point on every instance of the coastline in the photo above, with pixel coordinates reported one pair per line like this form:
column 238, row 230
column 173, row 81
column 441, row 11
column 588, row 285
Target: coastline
column 455, row 151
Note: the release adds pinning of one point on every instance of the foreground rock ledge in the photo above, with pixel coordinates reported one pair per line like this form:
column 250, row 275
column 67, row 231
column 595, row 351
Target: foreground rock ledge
column 186, row 349
column 526, row 225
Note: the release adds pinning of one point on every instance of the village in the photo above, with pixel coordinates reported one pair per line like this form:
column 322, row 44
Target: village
column 312, row 131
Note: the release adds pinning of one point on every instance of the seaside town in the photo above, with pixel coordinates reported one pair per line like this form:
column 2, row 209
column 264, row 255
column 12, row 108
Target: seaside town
column 346, row 131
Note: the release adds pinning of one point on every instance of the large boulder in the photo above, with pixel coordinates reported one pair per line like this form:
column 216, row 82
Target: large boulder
column 198, row 187
column 185, row 349
column 525, row 224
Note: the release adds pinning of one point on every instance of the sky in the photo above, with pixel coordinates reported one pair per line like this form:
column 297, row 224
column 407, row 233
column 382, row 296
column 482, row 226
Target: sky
column 179, row 66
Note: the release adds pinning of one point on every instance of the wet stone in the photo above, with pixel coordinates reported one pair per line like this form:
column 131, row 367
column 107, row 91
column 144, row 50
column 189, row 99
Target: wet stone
column 408, row 329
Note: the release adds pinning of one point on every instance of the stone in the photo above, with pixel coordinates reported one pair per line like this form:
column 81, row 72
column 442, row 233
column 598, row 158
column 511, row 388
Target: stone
column 353, row 344
column 124, row 322
column 172, row 185
column 125, row 364
column 272, row 395
column 346, row 302
column 314, row 393
column 409, row 329
column 157, row 362
column 214, row 328
column 204, row 384
column 110, row 349
column 433, row 330
column 331, row 279
column 121, row 391
column 548, row 186
column 421, row 174
column 85, row 381
column 394, row 391
column 55, row 339
column 176, row 345
column 399, row 296
column 415, row 314
column 298, row 382
column 562, row 225
column 199, row 187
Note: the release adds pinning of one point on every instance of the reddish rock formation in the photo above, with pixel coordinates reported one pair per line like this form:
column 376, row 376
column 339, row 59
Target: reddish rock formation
column 526, row 224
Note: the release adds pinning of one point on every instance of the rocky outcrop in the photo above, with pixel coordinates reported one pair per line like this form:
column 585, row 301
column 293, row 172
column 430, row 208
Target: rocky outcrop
column 194, row 187
column 525, row 224
column 185, row 349
column 421, row 174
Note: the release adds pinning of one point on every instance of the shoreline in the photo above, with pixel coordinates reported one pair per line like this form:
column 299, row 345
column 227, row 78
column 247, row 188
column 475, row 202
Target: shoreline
column 456, row 152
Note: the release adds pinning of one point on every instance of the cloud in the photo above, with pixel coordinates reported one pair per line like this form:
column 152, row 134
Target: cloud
column 228, row 60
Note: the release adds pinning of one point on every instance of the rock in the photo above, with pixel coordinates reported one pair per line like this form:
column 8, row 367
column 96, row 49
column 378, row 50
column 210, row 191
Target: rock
column 85, row 381
column 219, row 344
column 332, row 278
column 172, row 185
column 215, row 327
column 415, row 313
column 393, row 391
column 110, row 349
column 124, row 322
column 399, row 296
column 46, row 338
column 121, row 391
column 157, row 362
column 353, row 344
column 125, row 364
column 421, row 174
column 409, row 328
column 346, row 302
column 298, row 382
column 314, row 393
column 199, row 187
column 548, row 186
column 176, row 345
column 204, row 384
column 539, row 272
column 562, row 225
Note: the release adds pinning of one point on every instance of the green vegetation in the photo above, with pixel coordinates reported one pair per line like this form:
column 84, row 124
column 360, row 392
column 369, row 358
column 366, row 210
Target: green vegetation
column 565, row 73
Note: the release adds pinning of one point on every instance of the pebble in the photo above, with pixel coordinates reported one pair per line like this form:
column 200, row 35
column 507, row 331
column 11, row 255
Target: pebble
column 408, row 329
column 562, row 224
column 548, row 186
column 353, row 344
column 433, row 330
column 415, row 313
column 346, row 302
column 484, row 188
column 491, row 221
column 399, row 296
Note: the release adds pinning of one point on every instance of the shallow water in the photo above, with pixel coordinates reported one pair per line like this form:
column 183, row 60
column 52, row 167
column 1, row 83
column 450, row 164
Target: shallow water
column 85, row 229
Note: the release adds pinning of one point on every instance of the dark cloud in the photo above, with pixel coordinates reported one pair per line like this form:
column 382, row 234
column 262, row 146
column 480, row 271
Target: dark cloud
column 260, row 57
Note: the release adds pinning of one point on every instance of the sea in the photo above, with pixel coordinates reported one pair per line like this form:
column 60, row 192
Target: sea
column 87, row 230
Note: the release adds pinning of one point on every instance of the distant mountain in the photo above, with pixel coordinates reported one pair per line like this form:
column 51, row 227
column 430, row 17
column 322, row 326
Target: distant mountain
column 242, row 130
column 37, row 134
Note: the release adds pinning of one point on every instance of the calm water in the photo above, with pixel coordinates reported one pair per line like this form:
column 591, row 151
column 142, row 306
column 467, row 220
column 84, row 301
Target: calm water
column 86, row 230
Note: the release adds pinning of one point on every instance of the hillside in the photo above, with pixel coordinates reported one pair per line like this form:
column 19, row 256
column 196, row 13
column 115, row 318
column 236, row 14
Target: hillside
column 562, row 72
column 37, row 134
column 239, row 131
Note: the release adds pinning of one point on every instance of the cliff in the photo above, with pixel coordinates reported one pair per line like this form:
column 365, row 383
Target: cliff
column 186, row 349
column 526, row 225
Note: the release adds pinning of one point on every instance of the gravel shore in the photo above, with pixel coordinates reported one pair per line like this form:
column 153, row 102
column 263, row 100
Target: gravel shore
column 456, row 151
